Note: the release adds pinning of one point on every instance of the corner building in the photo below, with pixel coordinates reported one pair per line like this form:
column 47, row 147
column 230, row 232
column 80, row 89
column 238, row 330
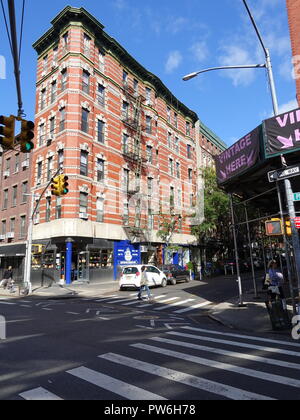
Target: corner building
column 128, row 147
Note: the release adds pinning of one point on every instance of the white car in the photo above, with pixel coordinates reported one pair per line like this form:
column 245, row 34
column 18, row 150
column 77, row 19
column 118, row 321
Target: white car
column 131, row 276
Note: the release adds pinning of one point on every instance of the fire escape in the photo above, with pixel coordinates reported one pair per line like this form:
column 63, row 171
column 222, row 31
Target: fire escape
column 133, row 153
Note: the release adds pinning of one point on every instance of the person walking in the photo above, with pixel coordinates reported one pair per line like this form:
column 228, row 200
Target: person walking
column 144, row 284
column 7, row 278
column 276, row 281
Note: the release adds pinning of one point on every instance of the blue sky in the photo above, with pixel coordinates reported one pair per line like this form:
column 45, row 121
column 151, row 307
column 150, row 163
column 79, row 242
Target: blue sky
column 172, row 38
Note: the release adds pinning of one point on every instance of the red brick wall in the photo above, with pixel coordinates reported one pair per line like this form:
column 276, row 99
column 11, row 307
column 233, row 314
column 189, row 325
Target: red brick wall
column 293, row 7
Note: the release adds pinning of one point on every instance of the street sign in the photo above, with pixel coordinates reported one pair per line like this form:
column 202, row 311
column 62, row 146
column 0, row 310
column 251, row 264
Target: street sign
column 297, row 196
column 284, row 173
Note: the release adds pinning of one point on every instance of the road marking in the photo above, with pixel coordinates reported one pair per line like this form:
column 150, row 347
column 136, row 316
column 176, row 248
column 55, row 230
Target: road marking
column 39, row 394
column 236, row 343
column 222, row 366
column 144, row 327
column 73, row 313
column 199, row 305
column 246, row 337
column 184, row 378
column 107, row 298
column 229, row 353
column 6, row 303
column 147, row 304
column 174, row 304
column 116, row 386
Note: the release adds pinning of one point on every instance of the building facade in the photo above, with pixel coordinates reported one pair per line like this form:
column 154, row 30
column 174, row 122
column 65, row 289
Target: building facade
column 128, row 146
column 293, row 8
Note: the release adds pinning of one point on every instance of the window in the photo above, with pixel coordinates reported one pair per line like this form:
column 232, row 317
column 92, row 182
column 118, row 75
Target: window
column 125, row 180
column 148, row 96
column 5, row 199
column 14, row 196
column 178, row 169
column 83, row 203
column 135, row 87
column 125, row 110
column 55, row 56
column 17, row 163
column 64, row 79
column 189, row 151
column 49, row 168
column 150, row 220
column 60, row 159
column 84, row 163
column 150, row 186
column 42, row 135
column 100, row 209
column 3, row 227
column 100, row 170
column 175, row 119
column 170, row 140
column 172, row 200
column 22, row 226
column 45, row 64
column 190, row 174
column 39, row 171
column 171, row 167
column 101, row 95
column 125, row 78
column 188, row 128
column 101, row 131
column 24, row 192
column 125, row 142
column 48, row 209
column 176, row 144
column 58, row 208
column 148, row 125
column 86, row 82
column 86, row 45
column 65, row 42
column 168, row 114
column 43, row 99
column 62, row 119
column 179, row 196
column 101, row 61
column 36, row 219
column 126, row 213
column 12, row 225
column 149, row 154
column 52, row 127
column 53, row 91
column 85, row 120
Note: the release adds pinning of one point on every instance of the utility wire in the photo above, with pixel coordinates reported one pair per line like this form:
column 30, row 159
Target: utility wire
column 21, row 32
column 6, row 24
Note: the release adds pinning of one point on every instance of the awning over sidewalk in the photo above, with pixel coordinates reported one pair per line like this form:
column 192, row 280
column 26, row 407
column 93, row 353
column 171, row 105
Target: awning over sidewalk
column 14, row 250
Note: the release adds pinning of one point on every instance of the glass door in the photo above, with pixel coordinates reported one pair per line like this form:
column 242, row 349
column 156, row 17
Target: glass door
column 83, row 273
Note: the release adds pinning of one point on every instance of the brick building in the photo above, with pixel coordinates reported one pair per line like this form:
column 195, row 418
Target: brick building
column 127, row 145
column 293, row 8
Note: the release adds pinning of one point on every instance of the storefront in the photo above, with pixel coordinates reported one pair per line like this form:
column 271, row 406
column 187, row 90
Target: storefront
column 14, row 256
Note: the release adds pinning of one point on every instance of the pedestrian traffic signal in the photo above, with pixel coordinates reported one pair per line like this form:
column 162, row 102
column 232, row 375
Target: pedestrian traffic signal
column 64, row 184
column 55, row 186
column 7, row 131
column 288, row 228
column 274, row 227
column 26, row 135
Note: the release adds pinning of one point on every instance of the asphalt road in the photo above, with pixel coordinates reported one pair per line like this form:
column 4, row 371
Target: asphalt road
column 116, row 348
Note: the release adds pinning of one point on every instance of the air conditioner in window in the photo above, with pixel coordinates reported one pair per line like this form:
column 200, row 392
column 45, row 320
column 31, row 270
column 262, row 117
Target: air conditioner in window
column 10, row 235
column 6, row 174
column 2, row 237
column 83, row 216
column 25, row 164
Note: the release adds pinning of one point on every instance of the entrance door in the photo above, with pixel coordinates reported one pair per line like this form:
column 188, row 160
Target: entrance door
column 83, row 272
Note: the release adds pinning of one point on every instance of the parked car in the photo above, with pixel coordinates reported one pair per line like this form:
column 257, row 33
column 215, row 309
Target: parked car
column 131, row 276
column 175, row 273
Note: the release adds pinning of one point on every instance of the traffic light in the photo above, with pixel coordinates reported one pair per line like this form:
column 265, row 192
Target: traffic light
column 7, row 131
column 288, row 227
column 26, row 135
column 274, row 227
column 64, row 184
column 55, row 186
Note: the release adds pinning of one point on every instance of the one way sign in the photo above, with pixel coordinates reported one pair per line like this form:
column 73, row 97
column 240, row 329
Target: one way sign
column 284, row 173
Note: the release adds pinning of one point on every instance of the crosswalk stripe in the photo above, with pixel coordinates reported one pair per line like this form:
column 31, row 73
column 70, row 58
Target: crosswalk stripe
column 118, row 300
column 184, row 378
column 246, row 337
column 229, row 353
column 6, row 303
column 107, row 298
column 222, row 366
column 190, row 308
column 39, row 394
column 236, row 344
column 116, row 386
column 150, row 304
column 182, row 302
column 169, row 299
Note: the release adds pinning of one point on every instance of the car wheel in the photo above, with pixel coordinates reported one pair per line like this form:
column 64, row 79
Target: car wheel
column 164, row 283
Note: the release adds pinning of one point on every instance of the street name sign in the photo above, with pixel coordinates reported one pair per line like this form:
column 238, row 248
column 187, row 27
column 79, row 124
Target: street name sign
column 297, row 196
column 285, row 173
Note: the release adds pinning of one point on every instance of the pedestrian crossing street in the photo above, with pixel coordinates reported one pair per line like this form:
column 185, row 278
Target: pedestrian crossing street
column 162, row 302
column 188, row 363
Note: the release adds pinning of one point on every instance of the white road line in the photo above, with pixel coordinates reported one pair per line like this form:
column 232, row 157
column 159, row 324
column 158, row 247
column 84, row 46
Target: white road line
column 107, row 298
column 182, row 302
column 120, row 300
column 73, row 313
column 246, row 337
column 185, row 378
column 39, row 394
column 229, row 353
column 167, row 300
column 143, row 306
column 199, row 305
column 150, row 304
column 6, row 303
column 222, row 366
column 116, row 386
column 237, row 344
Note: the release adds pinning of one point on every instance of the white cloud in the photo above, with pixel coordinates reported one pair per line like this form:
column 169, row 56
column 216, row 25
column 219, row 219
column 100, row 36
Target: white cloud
column 200, row 51
column 236, row 55
column 173, row 62
column 289, row 106
column 177, row 24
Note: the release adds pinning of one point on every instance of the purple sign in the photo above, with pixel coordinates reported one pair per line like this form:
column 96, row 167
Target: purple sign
column 282, row 134
column 239, row 157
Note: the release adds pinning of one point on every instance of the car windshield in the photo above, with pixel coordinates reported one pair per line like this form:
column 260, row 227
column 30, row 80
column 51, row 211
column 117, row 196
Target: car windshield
column 130, row 270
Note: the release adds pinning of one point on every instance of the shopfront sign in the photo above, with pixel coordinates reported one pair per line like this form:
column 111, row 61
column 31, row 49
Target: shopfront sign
column 282, row 134
column 125, row 253
column 238, row 158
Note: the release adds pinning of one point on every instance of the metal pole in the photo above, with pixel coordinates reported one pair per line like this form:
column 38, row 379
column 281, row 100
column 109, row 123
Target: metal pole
column 251, row 256
column 241, row 304
column 27, row 271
